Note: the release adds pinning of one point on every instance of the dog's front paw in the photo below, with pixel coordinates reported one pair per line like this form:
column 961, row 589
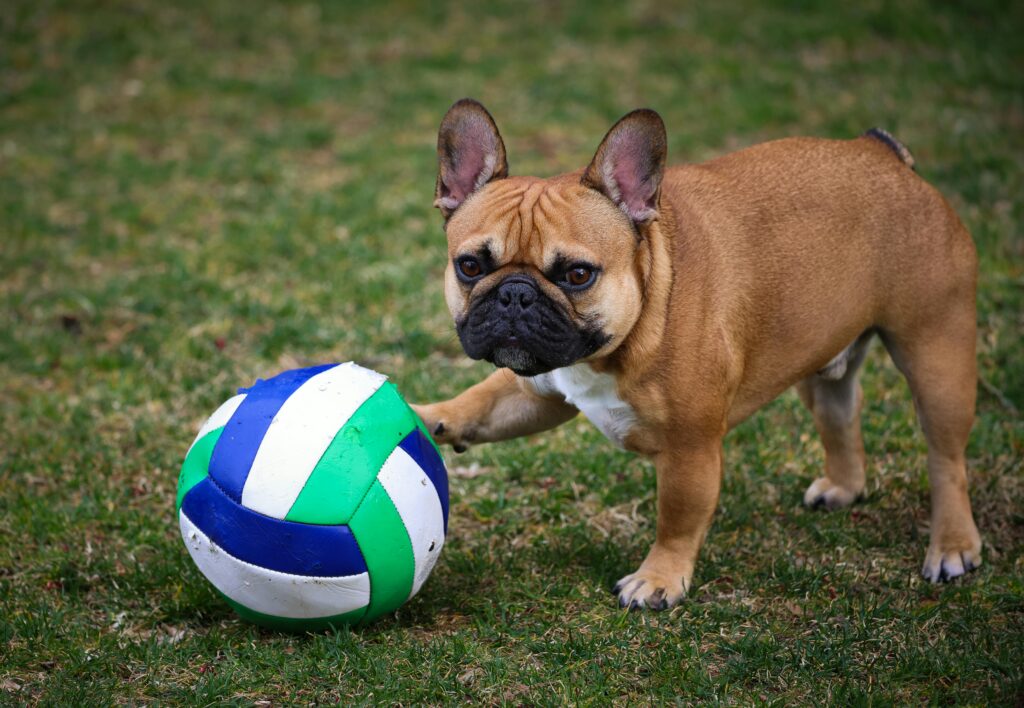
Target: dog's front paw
column 442, row 428
column 950, row 559
column 651, row 590
column 654, row 585
column 826, row 494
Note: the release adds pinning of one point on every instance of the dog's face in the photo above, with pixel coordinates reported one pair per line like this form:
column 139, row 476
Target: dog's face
column 541, row 273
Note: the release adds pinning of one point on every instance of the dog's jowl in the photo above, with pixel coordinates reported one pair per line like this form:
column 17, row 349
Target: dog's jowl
column 669, row 303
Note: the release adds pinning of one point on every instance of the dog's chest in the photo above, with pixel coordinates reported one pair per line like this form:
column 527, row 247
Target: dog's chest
column 594, row 394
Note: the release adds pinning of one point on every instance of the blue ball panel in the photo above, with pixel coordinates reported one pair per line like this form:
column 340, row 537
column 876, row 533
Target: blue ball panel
column 420, row 449
column 284, row 546
column 232, row 457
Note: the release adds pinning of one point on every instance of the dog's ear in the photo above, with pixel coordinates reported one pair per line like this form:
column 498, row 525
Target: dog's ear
column 470, row 153
column 629, row 164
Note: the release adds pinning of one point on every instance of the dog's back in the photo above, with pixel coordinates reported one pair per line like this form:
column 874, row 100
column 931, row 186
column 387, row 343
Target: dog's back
column 807, row 243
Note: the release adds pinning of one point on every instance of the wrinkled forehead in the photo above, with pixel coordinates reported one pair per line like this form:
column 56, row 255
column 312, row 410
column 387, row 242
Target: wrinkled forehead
column 525, row 220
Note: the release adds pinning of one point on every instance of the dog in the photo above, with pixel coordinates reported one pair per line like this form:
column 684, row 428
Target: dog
column 668, row 304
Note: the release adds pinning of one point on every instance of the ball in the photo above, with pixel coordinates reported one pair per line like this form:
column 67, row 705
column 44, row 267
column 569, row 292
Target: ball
column 314, row 498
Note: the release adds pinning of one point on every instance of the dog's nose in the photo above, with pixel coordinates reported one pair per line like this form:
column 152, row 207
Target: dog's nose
column 519, row 293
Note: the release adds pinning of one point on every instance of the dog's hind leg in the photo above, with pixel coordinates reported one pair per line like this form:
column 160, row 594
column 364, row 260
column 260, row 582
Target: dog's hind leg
column 938, row 360
column 834, row 397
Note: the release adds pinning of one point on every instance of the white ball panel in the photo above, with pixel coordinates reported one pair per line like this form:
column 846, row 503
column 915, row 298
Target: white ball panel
column 414, row 496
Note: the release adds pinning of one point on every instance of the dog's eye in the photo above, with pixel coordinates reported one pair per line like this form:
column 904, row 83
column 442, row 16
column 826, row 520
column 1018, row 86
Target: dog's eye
column 469, row 268
column 580, row 276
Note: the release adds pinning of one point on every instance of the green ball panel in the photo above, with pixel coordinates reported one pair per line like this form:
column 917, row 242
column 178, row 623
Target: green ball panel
column 290, row 624
column 341, row 478
column 386, row 547
column 197, row 464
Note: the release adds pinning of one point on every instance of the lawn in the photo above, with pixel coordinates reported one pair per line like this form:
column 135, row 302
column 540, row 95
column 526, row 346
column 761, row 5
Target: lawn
column 197, row 194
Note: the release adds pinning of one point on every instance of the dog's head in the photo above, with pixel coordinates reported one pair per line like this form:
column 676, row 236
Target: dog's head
column 545, row 273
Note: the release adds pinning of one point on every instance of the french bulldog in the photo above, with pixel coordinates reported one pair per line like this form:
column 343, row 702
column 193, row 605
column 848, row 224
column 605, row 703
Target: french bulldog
column 670, row 303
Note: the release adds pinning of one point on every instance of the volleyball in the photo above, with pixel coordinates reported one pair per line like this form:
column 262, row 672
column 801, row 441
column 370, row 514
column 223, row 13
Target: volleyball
column 314, row 498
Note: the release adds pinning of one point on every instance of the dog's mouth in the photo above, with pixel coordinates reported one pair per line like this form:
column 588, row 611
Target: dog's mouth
column 517, row 346
column 522, row 362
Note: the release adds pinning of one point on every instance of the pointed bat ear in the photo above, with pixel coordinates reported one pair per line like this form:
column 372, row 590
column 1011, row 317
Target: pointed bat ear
column 470, row 153
column 629, row 164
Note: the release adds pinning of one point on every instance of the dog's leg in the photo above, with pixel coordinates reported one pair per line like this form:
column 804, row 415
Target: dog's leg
column 939, row 364
column 689, row 481
column 500, row 407
column 835, row 403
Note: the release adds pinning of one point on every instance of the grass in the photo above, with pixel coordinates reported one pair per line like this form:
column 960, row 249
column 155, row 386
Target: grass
column 193, row 195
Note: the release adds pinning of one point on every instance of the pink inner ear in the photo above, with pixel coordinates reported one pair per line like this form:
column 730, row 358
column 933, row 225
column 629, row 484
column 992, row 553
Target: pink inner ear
column 473, row 161
column 630, row 171
column 470, row 166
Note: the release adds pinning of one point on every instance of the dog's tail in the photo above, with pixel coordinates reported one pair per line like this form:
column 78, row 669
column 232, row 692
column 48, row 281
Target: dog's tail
column 893, row 144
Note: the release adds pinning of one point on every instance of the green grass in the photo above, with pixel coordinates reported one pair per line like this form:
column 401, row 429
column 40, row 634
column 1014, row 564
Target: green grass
column 193, row 195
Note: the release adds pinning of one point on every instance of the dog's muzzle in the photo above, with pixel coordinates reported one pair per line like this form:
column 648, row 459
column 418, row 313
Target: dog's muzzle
column 516, row 326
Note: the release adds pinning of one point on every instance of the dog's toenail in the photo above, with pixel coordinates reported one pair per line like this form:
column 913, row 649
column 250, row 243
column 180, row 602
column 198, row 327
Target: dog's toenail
column 459, row 448
column 439, row 429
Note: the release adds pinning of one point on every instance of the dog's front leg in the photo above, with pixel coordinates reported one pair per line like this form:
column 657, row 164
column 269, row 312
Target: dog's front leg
column 689, row 479
column 500, row 407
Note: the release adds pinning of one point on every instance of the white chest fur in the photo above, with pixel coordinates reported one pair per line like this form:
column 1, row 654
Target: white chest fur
column 593, row 393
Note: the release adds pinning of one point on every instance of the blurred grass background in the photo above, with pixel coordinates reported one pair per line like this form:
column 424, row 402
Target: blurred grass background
column 196, row 194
